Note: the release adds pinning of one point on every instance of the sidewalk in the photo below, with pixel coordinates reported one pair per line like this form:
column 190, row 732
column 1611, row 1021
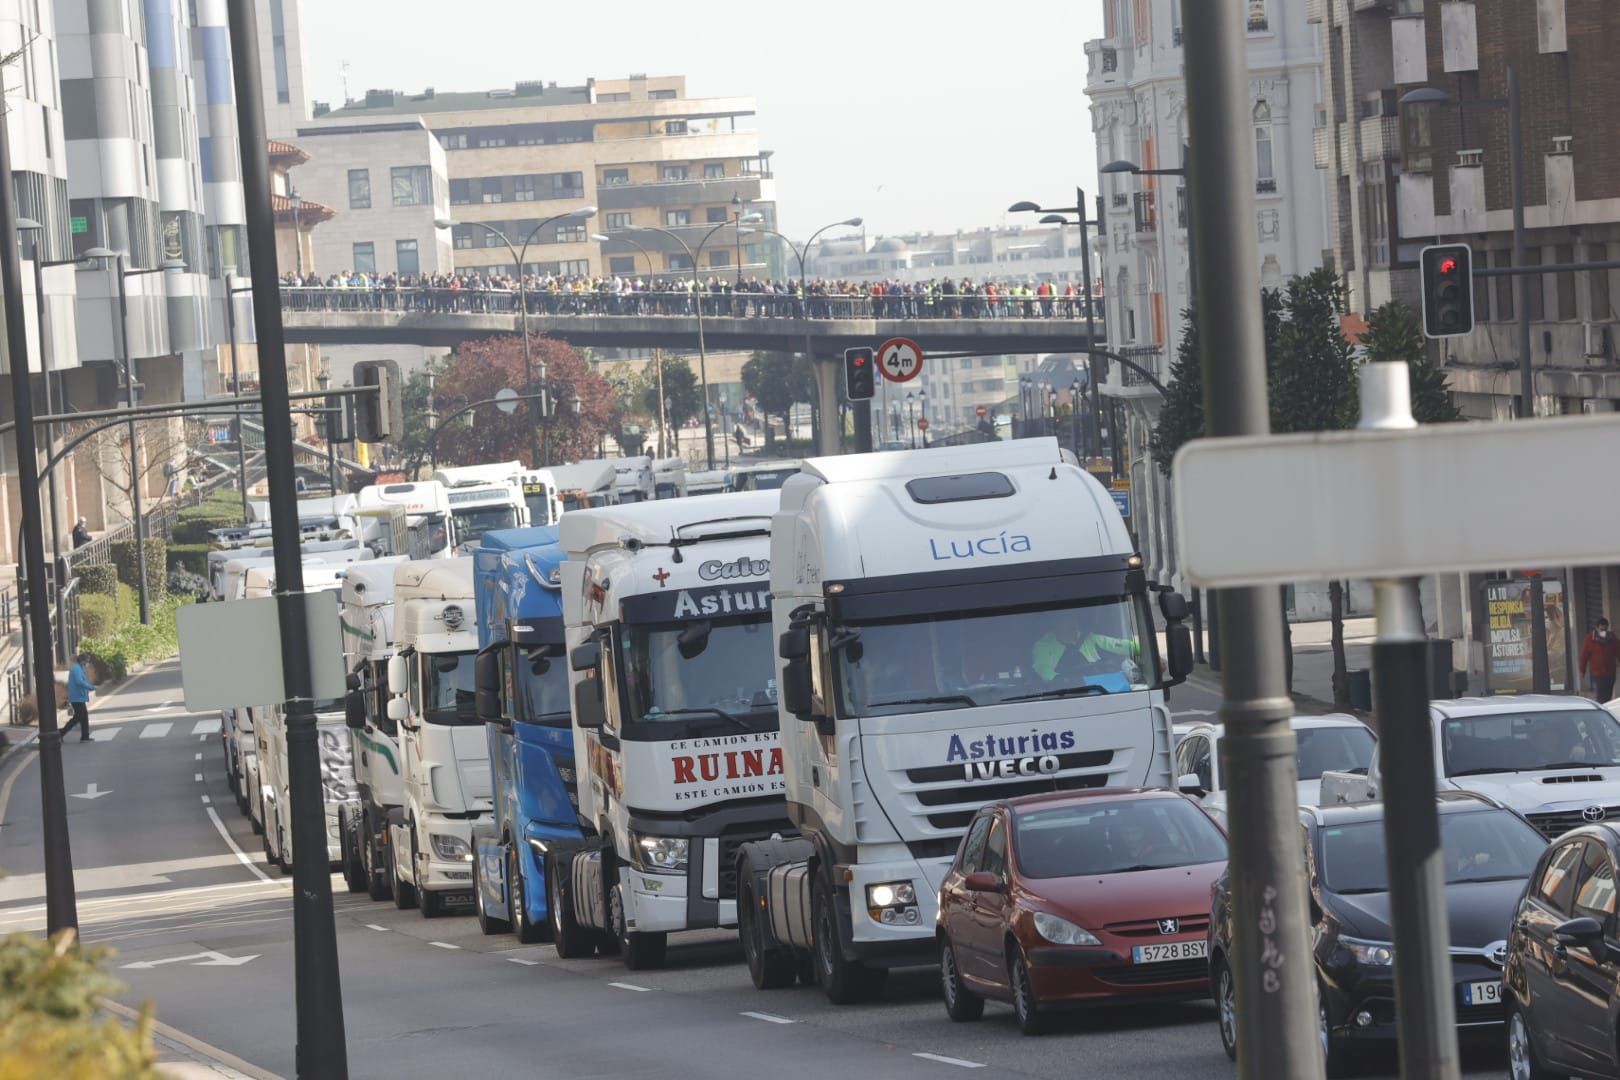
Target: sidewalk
column 1313, row 662
column 184, row 1057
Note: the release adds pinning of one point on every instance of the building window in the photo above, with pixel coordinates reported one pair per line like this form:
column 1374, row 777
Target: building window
column 453, row 140
column 460, row 192
column 365, row 258
column 462, row 237
column 1504, row 287
column 410, row 262
column 359, row 189
column 567, row 185
column 622, row 95
column 1264, row 173
column 675, row 218
column 489, row 190
column 523, row 188
column 714, row 170
column 719, row 257
column 661, row 95
column 1537, row 290
column 619, row 219
column 673, row 172
column 412, row 185
column 614, row 177
column 571, row 233
column 574, row 267
column 1257, row 16
column 680, row 260
column 1598, row 284
column 675, row 127
column 716, row 214
column 1417, row 138
column 622, row 264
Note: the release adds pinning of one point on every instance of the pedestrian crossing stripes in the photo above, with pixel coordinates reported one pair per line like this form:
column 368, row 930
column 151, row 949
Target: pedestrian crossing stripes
column 205, row 727
column 155, row 731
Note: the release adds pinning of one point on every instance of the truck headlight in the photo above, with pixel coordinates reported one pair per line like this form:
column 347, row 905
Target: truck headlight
column 1061, row 931
column 667, row 853
column 450, row 848
column 893, row 903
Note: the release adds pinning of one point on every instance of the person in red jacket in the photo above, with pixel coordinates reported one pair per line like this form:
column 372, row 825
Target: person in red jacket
column 1600, row 658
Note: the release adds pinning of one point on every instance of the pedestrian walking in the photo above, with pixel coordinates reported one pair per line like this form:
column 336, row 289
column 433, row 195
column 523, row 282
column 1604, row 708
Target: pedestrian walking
column 80, row 686
column 1600, row 658
column 81, row 533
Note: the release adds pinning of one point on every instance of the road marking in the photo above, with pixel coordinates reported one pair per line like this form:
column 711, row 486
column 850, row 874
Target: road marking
column 1193, row 712
column 241, row 856
column 106, row 733
column 91, row 793
column 632, row 986
column 197, row 777
column 943, row 1060
column 768, row 1018
column 157, row 708
column 5, row 789
column 520, row 960
column 443, row 945
column 374, row 926
column 206, row 799
column 197, row 756
column 205, row 727
column 206, row 958
column 156, row 731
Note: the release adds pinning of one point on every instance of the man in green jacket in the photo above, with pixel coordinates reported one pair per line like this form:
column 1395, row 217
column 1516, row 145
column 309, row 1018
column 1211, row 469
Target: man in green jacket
column 1069, row 648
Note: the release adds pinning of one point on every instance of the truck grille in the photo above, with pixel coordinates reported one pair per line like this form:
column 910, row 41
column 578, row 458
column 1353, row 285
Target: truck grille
column 570, row 779
column 1554, row 825
column 949, row 801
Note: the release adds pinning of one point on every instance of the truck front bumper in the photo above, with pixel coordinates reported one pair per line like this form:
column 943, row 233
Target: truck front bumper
column 438, row 874
column 909, row 937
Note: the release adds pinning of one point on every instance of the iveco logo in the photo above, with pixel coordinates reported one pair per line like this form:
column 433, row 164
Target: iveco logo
column 1594, row 813
column 1169, row 926
column 1496, row 952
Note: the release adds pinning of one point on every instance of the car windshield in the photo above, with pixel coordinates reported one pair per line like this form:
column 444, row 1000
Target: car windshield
column 448, row 689
column 1527, row 741
column 542, row 681
column 975, row 658
column 725, row 670
column 1114, row 838
column 1480, row 845
column 473, row 522
column 1336, row 749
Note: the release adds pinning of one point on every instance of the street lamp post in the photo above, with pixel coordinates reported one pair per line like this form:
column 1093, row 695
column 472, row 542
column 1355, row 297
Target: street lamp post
column 231, row 292
column 911, row 423
column 323, row 380
column 1074, row 418
column 298, row 244
column 922, row 414
column 518, row 255
column 658, row 354
column 736, row 216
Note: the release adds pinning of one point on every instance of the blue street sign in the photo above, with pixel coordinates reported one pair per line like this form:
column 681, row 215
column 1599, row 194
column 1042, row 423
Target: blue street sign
column 1122, row 499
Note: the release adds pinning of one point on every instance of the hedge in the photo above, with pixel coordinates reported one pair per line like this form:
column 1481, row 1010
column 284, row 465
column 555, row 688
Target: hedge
column 102, row 579
column 196, row 530
column 133, row 643
column 123, row 557
column 98, row 615
column 192, row 558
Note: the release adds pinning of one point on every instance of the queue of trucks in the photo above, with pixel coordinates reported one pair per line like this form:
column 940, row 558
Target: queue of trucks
column 774, row 710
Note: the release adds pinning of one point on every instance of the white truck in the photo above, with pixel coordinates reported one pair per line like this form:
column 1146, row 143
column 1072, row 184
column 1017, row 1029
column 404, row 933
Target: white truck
column 669, row 478
column 633, row 480
column 427, row 515
column 367, row 622
column 482, row 498
column 954, row 627
column 540, row 496
column 761, row 475
column 667, row 613
column 444, row 757
column 585, row 485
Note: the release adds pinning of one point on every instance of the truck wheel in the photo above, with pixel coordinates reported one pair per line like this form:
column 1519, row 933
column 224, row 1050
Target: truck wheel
column 641, row 951
column 283, row 863
column 354, row 871
column 487, row 924
column 404, row 892
column 378, row 885
column 529, row 933
column 845, row 982
column 573, row 941
column 771, row 969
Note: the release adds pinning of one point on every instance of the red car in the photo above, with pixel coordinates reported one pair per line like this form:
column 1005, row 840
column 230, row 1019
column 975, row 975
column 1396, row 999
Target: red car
column 1078, row 898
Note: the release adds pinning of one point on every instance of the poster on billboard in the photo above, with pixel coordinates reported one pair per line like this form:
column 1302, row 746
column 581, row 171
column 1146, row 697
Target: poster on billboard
column 1510, row 635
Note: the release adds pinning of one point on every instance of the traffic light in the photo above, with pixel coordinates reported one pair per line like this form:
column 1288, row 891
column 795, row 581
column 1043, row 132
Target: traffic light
column 335, row 422
column 378, row 416
column 1448, row 290
column 860, row 374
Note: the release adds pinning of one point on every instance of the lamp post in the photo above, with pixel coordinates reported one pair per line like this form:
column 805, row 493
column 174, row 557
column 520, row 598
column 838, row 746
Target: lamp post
column 911, row 423
column 736, row 216
column 1074, row 419
column 658, row 354
column 582, row 213
column 697, row 298
column 724, row 435
column 298, row 244
column 894, row 418
column 922, row 413
column 231, row 292
column 1052, row 406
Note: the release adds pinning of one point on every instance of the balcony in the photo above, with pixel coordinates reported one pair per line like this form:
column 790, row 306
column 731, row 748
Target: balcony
column 1380, row 138
column 669, row 193
column 1102, row 63
column 1316, row 11
column 1322, row 147
column 1146, row 214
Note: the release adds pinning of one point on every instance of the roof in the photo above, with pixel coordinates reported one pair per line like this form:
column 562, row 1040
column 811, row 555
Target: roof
column 1458, row 707
column 310, row 212
column 518, row 539
column 661, row 521
column 943, row 461
column 449, row 578
column 525, row 96
column 286, row 154
column 585, row 476
column 1298, row 723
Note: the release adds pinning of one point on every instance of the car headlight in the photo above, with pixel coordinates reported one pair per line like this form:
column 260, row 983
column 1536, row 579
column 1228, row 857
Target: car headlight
column 1061, row 931
column 893, row 903
column 667, row 853
column 450, row 848
column 1369, row 953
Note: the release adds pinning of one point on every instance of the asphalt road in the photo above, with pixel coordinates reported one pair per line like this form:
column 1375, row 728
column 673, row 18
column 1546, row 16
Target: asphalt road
column 209, row 927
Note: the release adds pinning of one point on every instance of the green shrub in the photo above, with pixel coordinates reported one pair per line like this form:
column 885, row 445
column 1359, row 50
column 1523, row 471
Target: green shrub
column 123, row 557
column 98, row 615
column 192, row 558
column 197, row 530
column 184, row 583
column 131, row 643
column 101, row 578
column 51, row 1023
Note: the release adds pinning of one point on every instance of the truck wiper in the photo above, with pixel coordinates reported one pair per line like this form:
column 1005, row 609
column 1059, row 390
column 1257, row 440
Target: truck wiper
column 942, row 699
column 1060, row 692
column 742, row 725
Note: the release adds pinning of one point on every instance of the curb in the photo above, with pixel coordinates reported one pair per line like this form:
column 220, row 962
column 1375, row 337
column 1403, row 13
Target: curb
column 189, row 1054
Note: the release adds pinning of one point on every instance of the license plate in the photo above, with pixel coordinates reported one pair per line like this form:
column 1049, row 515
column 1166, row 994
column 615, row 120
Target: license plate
column 1482, row 993
column 1173, row 950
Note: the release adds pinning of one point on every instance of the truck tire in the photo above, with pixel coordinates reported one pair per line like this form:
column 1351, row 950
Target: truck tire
column 404, row 892
column 573, row 941
column 844, row 981
column 641, row 951
column 528, row 933
column 487, row 923
column 349, row 840
column 771, row 968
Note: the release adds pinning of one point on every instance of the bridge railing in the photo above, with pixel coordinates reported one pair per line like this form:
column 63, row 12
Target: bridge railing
column 751, row 305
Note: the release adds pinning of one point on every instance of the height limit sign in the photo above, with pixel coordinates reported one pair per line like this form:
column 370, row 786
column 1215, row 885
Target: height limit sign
column 900, row 359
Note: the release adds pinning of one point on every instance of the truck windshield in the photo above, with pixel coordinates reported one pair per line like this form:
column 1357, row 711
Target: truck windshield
column 539, row 505
column 448, row 689
column 723, row 670
column 976, row 658
column 473, row 522
column 542, row 684
column 763, row 479
column 428, row 536
column 1527, row 741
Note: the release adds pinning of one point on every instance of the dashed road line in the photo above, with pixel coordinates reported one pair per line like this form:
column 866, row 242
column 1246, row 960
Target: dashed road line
column 958, row 1062
column 520, row 960
column 443, row 945
column 632, row 986
column 374, row 926
column 768, row 1018
column 156, row 731
column 197, row 777
column 197, row 756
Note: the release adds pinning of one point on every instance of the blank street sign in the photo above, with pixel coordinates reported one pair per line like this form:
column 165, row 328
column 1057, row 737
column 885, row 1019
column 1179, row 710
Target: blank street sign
column 1380, row 504
column 230, row 653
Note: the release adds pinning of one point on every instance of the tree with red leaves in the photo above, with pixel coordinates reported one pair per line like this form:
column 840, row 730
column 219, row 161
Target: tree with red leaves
column 480, row 369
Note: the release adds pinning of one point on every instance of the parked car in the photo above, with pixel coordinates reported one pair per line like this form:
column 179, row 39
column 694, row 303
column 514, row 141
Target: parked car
column 1563, row 962
column 1336, row 742
column 1490, row 853
column 1077, row 898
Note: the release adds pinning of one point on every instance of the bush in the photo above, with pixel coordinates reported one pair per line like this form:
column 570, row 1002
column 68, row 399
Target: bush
column 196, row 530
column 50, row 1020
column 183, row 582
column 101, row 578
column 192, row 558
column 123, row 557
column 98, row 615
column 131, row 643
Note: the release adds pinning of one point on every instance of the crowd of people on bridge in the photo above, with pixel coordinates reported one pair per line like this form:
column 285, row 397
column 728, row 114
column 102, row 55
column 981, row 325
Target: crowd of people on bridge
column 474, row 291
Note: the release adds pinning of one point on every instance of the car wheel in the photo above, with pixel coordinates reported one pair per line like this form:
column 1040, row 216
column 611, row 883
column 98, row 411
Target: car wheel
column 961, row 1004
column 1226, row 1003
column 770, row 969
column 1334, row 1051
column 1026, row 1006
column 1522, row 1061
column 572, row 940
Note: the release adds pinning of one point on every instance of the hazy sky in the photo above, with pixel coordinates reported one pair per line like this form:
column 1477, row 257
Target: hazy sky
column 913, row 115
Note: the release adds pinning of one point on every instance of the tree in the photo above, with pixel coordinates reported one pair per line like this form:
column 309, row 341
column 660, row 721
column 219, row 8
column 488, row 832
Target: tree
column 1181, row 417
column 683, row 395
column 1394, row 334
column 411, row 448
column 777, row 382
column 479, row 369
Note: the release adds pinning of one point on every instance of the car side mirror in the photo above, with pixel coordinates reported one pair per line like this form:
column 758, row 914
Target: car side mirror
column 487, row 685
column 1584, row 932
column 585, row 657
column 399, row 673
column 1190, row 784
column 983, row 881
column 796, row 695
column 399, row 710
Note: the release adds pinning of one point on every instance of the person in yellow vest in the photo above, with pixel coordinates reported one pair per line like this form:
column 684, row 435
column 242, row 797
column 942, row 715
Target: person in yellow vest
column 1068, row 650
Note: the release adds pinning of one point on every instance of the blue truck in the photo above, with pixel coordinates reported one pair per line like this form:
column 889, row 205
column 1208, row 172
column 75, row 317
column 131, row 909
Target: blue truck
column 523, row 699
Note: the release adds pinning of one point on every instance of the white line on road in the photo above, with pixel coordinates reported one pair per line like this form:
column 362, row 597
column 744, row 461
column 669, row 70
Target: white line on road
column 520, row 960
column 205, row 727
column 157, row 708
column 197, row 756
column 241, row 856
column 105, row 733
column 374, row 926
column 155, row 731
column 202, row 738
column 443, row 945
column 206, row 799
column 198, row 778
column 632, row 986
column 768, row 1018
column 951, row 1061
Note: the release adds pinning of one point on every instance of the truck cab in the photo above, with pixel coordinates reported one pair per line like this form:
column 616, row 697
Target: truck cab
column 444, row 760
column 427, row 515
column 954, row 627
column 633, row 480
column 585, row 486
column 483, row 498
column 523, row 698
column 669, row 478
column 540, row 496
column 674, row 704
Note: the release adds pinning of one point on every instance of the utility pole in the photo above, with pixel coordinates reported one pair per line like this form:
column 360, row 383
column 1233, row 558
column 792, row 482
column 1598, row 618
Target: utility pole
column 318, row 998
column 1271, row 958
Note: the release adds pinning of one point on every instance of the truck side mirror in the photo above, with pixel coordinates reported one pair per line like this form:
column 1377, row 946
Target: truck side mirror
column 1173, row 606
column 398, row 709
column 589, row 713
column 794, row 643
column 1178, row 643
column 795, row 696
column 354, row 709
column 586, row 657
column 487, row 685
column 399, row 674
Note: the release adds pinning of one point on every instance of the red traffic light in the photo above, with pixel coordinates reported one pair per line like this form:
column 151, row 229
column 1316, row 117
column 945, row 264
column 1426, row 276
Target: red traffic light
column 1448, row 266
column 860, row 360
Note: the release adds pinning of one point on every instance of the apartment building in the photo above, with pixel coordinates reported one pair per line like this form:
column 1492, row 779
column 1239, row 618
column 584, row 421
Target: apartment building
column 287, row 105
column 641, row 151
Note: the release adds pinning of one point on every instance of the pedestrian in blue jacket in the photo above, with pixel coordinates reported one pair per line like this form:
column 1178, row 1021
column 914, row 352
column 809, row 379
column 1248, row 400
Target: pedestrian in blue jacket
column 80, row 686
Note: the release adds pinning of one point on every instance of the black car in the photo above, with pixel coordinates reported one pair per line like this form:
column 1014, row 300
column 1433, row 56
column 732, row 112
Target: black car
column 1490, row 853
column 1563, row 962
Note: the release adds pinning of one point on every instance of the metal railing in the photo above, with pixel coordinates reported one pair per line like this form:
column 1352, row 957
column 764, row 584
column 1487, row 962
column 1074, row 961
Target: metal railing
column 16, row 689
